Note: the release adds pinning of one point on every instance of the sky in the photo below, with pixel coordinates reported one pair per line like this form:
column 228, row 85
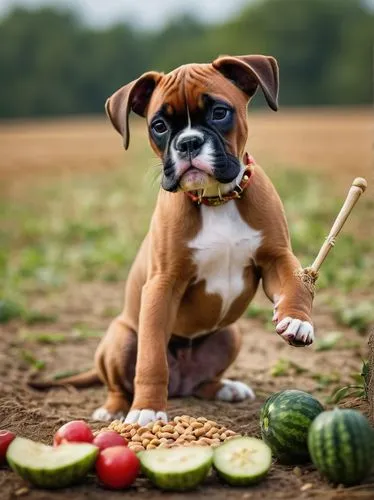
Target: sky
column 147, row 13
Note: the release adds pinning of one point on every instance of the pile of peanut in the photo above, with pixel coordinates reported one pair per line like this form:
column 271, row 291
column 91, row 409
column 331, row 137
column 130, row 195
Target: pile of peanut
column 182, row 431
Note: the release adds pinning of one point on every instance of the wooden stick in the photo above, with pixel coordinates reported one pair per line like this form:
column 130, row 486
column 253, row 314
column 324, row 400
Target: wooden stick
column 358, row 187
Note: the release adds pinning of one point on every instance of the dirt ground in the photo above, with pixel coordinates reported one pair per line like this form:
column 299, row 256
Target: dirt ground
column 38, row 415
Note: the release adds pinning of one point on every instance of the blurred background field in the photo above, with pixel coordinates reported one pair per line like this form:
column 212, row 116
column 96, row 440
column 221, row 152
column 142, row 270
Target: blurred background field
column 75, row 206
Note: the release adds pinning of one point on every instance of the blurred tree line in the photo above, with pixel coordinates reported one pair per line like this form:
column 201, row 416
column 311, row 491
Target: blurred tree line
column 52, row 63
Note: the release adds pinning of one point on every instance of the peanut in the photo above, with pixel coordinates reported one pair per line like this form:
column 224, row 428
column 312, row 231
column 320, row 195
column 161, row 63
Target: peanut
column 148, row 435
column 230, row 433
column 156, row 428
column 211, row 431
column 208, row 441
column 197, row 425
column 136, row 438
column 212, row 423
column 167, row 428
column 155, row 442
column 181, row 431
column 166, row 435
column 189, row 437
column 151, row 446
column 199, row 432
column 136, row 447
column 143, row 430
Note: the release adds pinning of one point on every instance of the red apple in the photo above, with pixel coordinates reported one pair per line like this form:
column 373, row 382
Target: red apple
column 117, row 467
column 108, row 439
column 76, row 431
column 6, row 437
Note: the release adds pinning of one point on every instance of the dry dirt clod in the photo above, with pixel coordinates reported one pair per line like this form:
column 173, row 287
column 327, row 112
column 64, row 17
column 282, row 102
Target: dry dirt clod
column 22, row 492
column 297, row 471
column 306, row 486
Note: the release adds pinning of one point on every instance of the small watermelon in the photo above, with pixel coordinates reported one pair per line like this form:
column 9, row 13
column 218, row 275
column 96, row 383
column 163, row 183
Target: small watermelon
column 181, row 468
column 285, row 420
column 242, row 461
column 341, row 445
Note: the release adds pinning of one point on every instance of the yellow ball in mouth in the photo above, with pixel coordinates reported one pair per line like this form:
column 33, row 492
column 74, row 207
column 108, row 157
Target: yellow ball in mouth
column 194, row 179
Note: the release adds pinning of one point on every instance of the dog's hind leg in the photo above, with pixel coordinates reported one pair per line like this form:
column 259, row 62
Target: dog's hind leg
column 115, row 360
column 216, row 354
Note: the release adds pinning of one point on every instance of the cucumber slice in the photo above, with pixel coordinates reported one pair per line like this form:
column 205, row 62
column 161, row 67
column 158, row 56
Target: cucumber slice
column 242, row 461
column 180, row 468
column 51, row 467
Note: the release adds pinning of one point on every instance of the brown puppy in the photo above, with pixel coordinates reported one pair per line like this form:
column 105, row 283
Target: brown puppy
column 218, row 228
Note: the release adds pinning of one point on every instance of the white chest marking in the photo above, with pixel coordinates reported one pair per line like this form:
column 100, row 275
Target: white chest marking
column 222, row 249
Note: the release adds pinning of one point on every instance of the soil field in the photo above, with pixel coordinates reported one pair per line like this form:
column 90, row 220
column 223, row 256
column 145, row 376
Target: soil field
column 73, row 210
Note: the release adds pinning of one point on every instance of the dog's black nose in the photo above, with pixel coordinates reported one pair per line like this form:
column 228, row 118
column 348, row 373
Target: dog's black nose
column 189, row 144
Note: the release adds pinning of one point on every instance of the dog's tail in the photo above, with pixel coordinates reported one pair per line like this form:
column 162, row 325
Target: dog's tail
column 85, row 379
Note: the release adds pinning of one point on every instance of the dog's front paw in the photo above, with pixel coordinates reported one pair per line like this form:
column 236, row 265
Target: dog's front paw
column 234, row 391
column 143, row 417
column 105, row 415
column 295, row 332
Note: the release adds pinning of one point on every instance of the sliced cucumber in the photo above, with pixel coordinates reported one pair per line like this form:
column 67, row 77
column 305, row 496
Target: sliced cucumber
column 51, row 467
column 181, row 468
column 242, row 461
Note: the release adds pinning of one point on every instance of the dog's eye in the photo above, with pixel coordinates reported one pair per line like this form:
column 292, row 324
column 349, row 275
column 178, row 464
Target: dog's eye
column 219, row 113
column 159, row 127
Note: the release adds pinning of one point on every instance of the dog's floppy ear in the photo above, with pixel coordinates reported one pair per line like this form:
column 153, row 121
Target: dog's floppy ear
column 249, row 72
column 134, row 96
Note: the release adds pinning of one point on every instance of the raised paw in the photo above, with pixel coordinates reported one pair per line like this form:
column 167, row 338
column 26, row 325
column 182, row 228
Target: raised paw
column 105, row 415
column 143, row 417
column 295, row 332
column 234, row 391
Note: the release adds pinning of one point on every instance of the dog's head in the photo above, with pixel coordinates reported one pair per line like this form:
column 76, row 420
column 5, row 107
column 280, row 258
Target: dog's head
column 197, row 116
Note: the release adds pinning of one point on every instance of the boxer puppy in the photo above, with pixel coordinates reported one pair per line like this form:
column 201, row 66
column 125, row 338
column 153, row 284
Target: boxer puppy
column 217, row 230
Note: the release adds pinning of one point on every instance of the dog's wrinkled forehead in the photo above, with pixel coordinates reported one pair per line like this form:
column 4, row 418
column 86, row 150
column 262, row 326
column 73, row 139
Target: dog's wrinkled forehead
column 182, row 91
column 232, row 79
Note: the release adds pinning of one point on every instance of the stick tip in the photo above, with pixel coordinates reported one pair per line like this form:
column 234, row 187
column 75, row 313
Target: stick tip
column 361, row 183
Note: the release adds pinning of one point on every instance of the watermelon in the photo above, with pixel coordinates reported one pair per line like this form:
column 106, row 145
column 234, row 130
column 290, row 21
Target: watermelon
column 51, row 467
column 285, row 420
column 181, row 468
column 242, row 461
column 341, row 445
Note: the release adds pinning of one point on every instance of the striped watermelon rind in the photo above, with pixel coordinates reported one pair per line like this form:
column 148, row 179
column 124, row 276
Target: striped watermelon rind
column 178, row 469
column 51, row 467
column 341, row 445
column 285, row 420
column 242, row 461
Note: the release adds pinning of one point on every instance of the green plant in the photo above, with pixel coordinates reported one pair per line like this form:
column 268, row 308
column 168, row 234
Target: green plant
column 359, row 389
